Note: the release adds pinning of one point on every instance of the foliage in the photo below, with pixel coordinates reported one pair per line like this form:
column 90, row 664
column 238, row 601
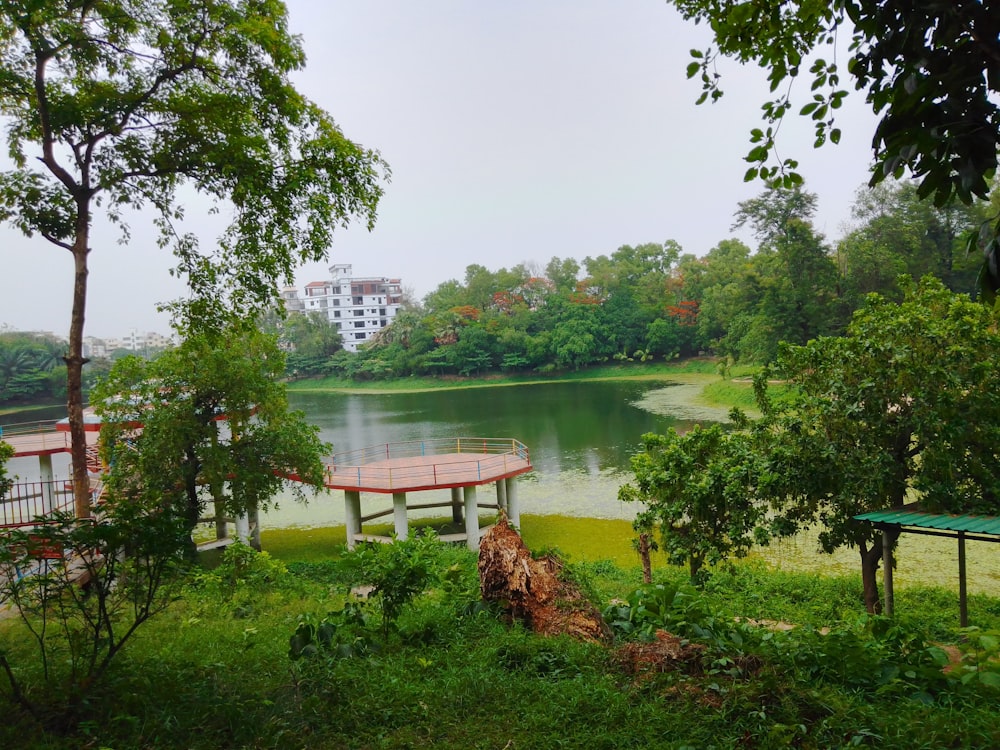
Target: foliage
column 6, row 453
column 699, row 490
column 82, row 589
column 929, row 71
column 201, row 677
column 116, row 106
column 31, row 367
column 397, row 572
column 212, row 415
column 901, row 409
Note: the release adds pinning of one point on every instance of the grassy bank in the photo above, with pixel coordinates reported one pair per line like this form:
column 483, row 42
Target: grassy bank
column 686, row 370
column 214, row 671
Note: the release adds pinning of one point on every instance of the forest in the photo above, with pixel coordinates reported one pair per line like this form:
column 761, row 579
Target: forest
column 655, row 301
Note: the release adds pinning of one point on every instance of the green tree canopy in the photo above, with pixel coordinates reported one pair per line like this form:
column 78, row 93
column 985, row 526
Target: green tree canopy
column 113, row 106
column 902, row 409
column 208, row 414
column 699, row 490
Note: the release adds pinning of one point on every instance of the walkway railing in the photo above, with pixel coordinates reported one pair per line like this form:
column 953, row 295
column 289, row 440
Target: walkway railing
column 432, row 447
column 26, row 501
column 27, row 428
column 370, row 467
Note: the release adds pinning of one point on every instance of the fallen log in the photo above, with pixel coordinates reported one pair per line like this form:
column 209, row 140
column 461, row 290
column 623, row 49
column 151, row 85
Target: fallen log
column 535, row 591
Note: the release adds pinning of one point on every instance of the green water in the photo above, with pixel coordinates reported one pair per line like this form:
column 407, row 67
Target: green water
column 580, row 436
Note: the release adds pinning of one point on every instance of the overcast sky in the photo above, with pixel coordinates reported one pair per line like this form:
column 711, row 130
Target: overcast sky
column 515, row 131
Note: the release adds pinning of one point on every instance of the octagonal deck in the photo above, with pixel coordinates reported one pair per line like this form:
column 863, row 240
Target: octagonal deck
column 401, row 469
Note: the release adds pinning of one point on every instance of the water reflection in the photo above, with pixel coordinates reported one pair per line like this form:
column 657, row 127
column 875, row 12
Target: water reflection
column 580, row 435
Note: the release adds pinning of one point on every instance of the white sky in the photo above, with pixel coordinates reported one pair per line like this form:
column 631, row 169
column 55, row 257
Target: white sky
column 515, row 131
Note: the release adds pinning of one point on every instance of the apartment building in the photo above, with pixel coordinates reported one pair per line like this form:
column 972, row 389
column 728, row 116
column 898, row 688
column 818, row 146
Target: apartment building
column 359, row 307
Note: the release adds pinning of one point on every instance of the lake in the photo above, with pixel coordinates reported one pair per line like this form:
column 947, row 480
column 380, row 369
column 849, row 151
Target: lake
column 580, row 435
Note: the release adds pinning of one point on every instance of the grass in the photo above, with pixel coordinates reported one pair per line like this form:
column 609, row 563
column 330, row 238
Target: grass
column 214, row 671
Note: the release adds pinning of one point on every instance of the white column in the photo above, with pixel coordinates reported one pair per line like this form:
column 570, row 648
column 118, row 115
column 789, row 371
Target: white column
column 352, row 511
column 399, row 515
column 471, row 518
column 513, row 506
column 456, row 504
column 48, row 483
column 502, row 494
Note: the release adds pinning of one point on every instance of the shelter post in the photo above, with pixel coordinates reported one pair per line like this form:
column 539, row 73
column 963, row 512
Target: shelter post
column 890, row 599
column 48, row 482
column 513, row 506
column 963, row 602
column 456, row 504
column 502, row 494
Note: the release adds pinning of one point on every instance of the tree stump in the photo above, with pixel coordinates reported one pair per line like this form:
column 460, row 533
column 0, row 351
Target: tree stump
column 533, row 591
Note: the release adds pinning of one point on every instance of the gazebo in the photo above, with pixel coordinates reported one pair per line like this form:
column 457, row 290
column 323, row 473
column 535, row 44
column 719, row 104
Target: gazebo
column 459, row 464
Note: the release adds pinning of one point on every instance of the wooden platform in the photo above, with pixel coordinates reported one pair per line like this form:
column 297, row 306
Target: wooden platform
column 417, row 473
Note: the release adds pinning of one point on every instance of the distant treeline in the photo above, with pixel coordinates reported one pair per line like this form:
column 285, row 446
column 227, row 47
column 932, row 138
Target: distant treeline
column 655, row 301
column 31, row 368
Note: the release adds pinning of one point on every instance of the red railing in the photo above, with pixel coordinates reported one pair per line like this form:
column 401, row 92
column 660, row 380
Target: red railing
column 432, row 447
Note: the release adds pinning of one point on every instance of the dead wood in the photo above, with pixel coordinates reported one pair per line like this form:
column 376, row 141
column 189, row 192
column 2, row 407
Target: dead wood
column 534, row 591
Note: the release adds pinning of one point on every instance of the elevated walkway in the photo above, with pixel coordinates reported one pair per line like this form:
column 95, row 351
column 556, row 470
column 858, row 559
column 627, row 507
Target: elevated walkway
column 460, row 465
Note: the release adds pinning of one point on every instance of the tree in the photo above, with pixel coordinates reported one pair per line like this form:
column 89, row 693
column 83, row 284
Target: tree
column 208, row 414
column 699, row 489
column 931, row 71
column 112, row 106
column 898, row 233
column 902, row 409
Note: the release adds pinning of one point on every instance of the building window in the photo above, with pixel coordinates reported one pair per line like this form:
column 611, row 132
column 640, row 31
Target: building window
column 359, row 324
column 381, row 311
column 359, row 300
column 336, row 303
column 359, row 336
column 336, row 313
column 358, row 313
column 338, row 326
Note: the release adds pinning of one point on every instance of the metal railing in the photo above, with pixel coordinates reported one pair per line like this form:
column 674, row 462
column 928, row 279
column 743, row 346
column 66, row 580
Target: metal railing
column 27, row 428
column 497, row 456
column 432, row 447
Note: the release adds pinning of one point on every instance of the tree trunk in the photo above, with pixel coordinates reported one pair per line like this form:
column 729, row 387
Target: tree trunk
column 74, row 369
column 647, row 568
column 870, row 558
column 694, row 563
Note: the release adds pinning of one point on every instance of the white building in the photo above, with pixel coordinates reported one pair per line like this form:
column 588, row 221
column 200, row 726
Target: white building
column 358, row 307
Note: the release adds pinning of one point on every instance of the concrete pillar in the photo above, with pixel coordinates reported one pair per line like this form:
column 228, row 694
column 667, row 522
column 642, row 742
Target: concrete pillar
column 471, row 518
column 48, row 483
column 399, row 515
column 513, row 506
column 502, row 494
column 352, row 512
column 221, row 526
column 456, row 504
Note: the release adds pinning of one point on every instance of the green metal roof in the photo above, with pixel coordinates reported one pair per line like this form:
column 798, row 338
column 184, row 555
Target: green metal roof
column 989, row 525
